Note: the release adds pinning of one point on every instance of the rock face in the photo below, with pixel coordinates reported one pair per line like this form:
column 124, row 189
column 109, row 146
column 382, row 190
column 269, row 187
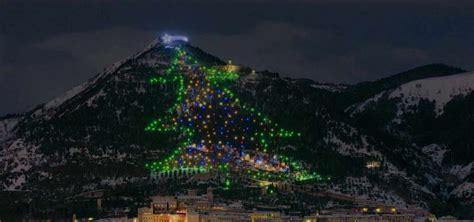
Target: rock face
column 419, row 125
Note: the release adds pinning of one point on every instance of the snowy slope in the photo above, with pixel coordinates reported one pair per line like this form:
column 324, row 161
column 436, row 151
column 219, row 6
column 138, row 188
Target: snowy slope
column 99, row 125
column 440, row 90
column 465, row 191
column 6, row 126
column 329, row 87
column 360, row 107
column 48, row 109
column 19, row 156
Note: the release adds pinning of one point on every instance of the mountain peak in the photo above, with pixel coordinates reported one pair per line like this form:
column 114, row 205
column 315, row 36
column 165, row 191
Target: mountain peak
column 426, row 71
column 421, row 72
column 367, row 89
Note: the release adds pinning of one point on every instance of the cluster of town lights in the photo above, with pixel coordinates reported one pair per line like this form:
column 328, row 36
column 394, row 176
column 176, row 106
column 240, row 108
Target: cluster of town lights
column 217, row 131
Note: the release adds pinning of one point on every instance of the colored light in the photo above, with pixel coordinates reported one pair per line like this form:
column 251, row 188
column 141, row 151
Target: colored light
column 227, row 130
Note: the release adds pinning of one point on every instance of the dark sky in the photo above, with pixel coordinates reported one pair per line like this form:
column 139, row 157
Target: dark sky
column 47, row 47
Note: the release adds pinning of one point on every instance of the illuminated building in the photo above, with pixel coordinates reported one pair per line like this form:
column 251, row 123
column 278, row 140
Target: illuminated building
column 147, row 215
column 373, row 164
column 184, row 208
column 266, row 217
column 360, row 218
column 229, row 67
column 166, row 204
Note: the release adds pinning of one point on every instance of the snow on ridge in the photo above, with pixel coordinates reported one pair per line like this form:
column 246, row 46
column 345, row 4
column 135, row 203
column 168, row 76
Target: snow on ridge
column 464, row 191
column 58, row 101
column 435, row 152
column 91, row 102
column 462, row 171
column 437, row 89
column 329, row 87
column 66, row 96
column 360, row 107
column 6, row 126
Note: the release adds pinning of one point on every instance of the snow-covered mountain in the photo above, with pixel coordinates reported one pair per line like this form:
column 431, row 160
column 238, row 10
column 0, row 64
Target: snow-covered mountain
column 92, row 137
column 432, row 117
column 439, row 90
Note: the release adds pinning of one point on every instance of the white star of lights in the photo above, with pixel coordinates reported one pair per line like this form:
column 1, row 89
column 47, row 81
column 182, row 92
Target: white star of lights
column 167, row 39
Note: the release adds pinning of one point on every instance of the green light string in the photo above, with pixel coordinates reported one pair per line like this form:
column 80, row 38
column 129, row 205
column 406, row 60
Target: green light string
column 200, row 99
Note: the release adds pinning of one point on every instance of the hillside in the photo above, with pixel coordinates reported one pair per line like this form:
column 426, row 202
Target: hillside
column 93, row 136
column 429, row 116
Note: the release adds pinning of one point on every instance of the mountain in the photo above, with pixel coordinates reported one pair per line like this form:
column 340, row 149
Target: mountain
column 417, row 125
column 431, row 117
column 367, row 89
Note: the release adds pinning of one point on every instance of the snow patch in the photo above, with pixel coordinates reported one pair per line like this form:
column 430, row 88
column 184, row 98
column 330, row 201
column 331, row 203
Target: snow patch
column 462, row 171
column 16, row 183
column 363, row 191
column 358, row 144
column 439, row 90
column 329, row 87
column 48, row 109
column 16, row 159
column 6, row 126
column 361, row 107
column 74, row 150
column 91, row 102
column 435, row 152
column 66, row 96
column 465, row 191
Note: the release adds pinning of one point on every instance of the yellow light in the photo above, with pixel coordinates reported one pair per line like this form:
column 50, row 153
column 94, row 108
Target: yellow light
column 365, row 209
column 378, row 210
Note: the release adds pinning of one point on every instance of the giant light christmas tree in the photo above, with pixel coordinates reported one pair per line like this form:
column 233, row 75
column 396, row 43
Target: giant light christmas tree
column 217, row 131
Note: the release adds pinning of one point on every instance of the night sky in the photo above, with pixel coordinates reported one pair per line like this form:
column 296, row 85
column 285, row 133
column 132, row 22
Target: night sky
column 47, row 47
